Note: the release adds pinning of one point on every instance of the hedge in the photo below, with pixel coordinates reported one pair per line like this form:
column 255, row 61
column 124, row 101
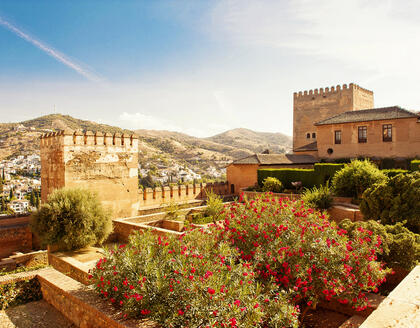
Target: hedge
column 393, row 172
column 415, row 165
column 325, row 171
column 287, row 176
column 321, row 173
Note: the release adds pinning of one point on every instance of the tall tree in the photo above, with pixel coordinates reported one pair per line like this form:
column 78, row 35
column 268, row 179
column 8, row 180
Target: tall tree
column 37, row 200
column 32, row 198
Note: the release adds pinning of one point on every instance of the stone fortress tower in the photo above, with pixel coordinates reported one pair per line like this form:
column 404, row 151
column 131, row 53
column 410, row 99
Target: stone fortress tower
column 313, row 106
column 104, row 163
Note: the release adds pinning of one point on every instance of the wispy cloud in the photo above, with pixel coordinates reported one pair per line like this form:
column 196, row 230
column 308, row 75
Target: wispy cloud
column 57, row 55
column 378, row 36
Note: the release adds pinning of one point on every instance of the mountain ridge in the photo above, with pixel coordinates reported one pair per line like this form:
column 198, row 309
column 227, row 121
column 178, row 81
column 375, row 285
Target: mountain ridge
column 158, row 147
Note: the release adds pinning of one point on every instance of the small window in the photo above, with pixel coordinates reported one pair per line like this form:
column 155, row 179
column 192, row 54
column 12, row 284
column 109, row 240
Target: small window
column 308, row 136
column 313, row 135
column 362, row 134
column 387, row 132
column 337, row 137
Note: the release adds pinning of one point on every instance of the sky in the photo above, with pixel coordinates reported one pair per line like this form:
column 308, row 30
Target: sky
column 201, row 67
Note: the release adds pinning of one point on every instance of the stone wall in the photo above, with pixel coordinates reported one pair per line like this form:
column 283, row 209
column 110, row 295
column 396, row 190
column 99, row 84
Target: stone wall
column 15, row 236
column 152, row 197
column 405, row 140
column 104, row 163
column 81, row 305
column 313, row 106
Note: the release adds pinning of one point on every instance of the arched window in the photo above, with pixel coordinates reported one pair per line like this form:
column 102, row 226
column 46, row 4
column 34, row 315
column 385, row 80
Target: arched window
column 308, row 135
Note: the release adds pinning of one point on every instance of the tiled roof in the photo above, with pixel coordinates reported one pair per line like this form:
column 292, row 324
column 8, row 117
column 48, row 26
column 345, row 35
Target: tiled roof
column 313, row 146
column 374, row 114
column 274, row 159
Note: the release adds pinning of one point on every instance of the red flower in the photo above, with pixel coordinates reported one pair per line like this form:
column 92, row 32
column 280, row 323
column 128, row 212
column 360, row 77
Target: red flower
column 211, row 291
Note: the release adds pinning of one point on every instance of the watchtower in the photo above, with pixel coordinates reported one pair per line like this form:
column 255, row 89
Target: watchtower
column 315, row 105
column 104, row 163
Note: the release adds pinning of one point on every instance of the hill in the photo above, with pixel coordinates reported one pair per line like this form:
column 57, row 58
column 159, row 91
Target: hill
column 158, row 150
column 254, row 141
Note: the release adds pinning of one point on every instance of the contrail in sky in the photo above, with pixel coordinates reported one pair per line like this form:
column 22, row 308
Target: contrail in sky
column 50, row 51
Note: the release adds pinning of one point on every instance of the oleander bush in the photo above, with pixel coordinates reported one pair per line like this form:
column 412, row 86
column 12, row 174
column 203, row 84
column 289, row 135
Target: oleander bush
column 320, row 198
column 194, row 281
column 356, row 177
column 394, row 200
column 268, row 257
column 273, row 185
column 304, row 252
column 401, row 247
column 72, row 218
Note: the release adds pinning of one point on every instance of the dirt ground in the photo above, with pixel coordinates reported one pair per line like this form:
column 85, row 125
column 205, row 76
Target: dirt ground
column 322, row 318
column 33, row 315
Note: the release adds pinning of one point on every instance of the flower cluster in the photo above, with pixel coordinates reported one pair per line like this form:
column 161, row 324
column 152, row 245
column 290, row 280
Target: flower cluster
column 269, row 257
column 195, row 281
column 302, row 251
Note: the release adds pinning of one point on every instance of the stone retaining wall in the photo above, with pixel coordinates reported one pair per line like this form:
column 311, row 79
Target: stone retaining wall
column 81, row 305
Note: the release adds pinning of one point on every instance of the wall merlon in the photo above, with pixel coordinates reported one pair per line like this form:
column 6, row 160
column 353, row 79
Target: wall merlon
column 328, row 90
column 70, row 137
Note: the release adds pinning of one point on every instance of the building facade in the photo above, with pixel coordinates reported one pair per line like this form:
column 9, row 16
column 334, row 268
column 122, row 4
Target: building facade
column 315, row 105
column 390, row 132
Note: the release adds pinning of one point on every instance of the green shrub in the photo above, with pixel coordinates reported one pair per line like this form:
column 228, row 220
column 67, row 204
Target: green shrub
column 287, row 176
column 393, row 172
column 72, row 219
column 173, row 211
column 273, row 185
column 201, row 219
column 355, row 178
column 194, row 281
column 394, row 200
column 214, row 207
column 415, row 165
column 318, row 197
column 401, row 246
column 20, row 292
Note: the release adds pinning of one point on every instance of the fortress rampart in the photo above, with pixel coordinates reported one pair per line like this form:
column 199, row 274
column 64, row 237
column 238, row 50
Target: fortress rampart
column 107, row 164
column 103, row 162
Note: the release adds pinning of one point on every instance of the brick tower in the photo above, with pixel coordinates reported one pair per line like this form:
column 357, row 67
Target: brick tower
column 104, row 163
column 312, row 106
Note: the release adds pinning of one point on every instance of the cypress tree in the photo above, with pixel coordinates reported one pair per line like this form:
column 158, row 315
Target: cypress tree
column 37, row 200
column 32, row 198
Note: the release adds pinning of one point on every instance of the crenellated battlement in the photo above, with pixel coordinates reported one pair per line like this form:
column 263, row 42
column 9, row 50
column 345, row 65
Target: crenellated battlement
column 329, row 90
column 70, row 137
